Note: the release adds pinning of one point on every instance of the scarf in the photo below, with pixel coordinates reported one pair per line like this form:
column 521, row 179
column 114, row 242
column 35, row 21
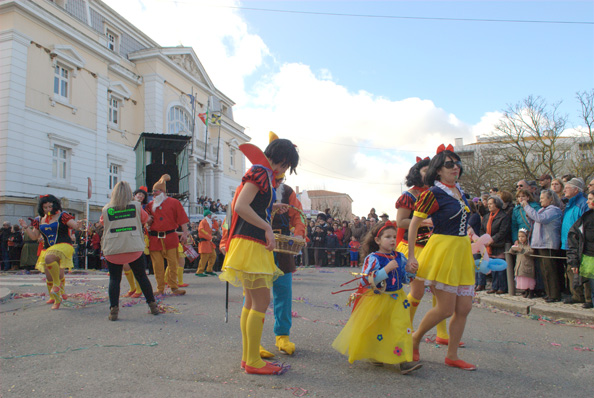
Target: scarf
column 489, row 224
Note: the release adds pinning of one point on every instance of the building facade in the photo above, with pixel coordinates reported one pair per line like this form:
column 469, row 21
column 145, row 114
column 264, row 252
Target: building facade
column 340, row 204
column 80, row 84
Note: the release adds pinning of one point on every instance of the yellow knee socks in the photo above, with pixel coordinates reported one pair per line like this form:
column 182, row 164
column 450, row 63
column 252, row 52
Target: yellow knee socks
column 442, row 328
column 180, row 275
column 54, row 270
column 138, row 289
column 414, row 304
column 254, row 326
column 63, row 286
column 130, row 278
column 49, row 286
column 243, row 324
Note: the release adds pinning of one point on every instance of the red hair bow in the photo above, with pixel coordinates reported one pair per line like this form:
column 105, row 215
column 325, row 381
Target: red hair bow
column 442, row 148
column 419, row 159
column 43, row 196
column 388, row 224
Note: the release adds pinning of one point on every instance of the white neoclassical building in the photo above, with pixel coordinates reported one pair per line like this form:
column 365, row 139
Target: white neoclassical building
column 87, row 96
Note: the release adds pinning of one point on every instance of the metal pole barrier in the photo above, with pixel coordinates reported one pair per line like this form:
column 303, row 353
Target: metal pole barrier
column 509, row 259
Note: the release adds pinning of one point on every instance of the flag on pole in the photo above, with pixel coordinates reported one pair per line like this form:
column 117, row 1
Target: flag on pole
column 204, row 117
column 215, row 119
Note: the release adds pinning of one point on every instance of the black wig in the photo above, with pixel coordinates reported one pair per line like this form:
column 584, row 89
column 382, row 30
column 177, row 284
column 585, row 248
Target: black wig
column 145, row 193
column 437, row 163
column 56, row 205
column 414, row 178
column 282, row 151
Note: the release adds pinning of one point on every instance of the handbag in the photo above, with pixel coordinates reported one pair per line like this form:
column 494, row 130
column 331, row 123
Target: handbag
column 190, row 252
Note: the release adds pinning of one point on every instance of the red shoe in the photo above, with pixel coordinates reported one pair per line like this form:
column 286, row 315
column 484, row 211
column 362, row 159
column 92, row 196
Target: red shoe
column 50, row 301
column 268, row 369
column 56, row 306
column 129, row 294
column 440, row 341
column 416, row 355
column 136, row 295
column 183, row 285
column 243, row 365
column 460, row 364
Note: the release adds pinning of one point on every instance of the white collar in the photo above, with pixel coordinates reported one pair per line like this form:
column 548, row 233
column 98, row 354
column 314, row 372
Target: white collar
column 447, row 190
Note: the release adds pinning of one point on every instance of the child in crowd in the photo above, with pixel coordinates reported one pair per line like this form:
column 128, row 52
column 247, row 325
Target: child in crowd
column 354, row 245
column 524, row 270
column 332, row 244
column 379, row 329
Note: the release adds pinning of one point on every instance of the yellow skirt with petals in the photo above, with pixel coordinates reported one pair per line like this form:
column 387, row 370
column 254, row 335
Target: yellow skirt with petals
column 250, row 265
column 378, row 330
column 403, row 248
column 63, row 251
column 447, row 259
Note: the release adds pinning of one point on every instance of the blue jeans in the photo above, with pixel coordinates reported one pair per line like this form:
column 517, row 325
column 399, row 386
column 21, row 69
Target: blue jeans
column 5, row 260
column 499, row 280
column 481, row 279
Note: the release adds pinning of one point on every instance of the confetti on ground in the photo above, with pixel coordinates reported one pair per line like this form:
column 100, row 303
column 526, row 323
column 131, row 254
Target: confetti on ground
column 579, row 347
column 306, row 301
column 152, row 344
column 298, row 391
column 82, row 300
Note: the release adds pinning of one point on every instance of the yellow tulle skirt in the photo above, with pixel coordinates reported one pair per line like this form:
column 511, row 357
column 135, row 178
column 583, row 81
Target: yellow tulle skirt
column 403, row 248
column 448, row 260
column 250, row 265
column 180, row 251
column 63, row 251
column 378, row 330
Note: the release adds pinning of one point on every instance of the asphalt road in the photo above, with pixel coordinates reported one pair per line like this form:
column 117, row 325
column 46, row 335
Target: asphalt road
column 190, row 351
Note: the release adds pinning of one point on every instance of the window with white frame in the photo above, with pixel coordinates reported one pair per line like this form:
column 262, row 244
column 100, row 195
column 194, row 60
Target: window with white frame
column 114, row 110
column 61, row 81
column 179, row 121
column 112, row 40
column 232, row 158
column 60, row 163
column 114, row 174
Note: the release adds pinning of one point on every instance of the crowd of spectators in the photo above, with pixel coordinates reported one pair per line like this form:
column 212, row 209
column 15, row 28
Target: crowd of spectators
column 212, row 205
column 546, row 209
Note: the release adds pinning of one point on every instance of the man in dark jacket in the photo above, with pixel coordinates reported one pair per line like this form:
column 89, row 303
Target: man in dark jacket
column 5, row 233
column 580, row 242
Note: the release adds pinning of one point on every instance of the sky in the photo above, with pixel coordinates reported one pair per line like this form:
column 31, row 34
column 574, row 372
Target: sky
column 363, row 87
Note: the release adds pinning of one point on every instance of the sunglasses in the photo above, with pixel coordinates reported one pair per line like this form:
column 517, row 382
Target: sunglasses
column 450, row 164
column 519, row 186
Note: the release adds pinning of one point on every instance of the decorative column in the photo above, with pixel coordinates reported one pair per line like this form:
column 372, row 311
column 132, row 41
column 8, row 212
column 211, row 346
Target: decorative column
column 13, row 74
column 209, row 180
column 193, row 167
column 218, row 177
column 154, row 85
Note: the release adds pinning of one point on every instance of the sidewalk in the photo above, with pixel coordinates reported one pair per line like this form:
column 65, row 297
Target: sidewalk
column 537, row 307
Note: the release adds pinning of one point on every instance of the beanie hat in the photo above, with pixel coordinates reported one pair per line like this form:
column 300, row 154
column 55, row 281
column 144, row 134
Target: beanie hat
column 207, row 212
column 577, row 183
column 161, row 184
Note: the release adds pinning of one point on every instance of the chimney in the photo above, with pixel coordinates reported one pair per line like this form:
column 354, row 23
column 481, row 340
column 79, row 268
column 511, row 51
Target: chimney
column 458, row 142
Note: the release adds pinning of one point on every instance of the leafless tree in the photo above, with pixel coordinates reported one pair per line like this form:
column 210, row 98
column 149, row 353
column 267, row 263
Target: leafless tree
column 531, row 132
column 582, row 162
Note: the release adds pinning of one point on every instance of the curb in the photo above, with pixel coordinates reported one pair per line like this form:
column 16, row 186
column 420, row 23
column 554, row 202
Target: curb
column 538, row 309
column 5, row 294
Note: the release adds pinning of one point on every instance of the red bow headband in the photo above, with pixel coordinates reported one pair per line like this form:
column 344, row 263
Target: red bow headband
column 43, row 196
column 388, row 224
column 419, row 159
column 442, row 148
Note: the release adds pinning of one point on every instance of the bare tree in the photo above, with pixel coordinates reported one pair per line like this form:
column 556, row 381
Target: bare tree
column 482, row 170
column 582, row 161
column 531, row 133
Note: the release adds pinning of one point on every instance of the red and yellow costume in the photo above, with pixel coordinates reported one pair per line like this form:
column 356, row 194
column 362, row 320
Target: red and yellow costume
column 163, row 241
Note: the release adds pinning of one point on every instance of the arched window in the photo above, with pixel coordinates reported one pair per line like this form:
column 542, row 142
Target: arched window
column 179, row 121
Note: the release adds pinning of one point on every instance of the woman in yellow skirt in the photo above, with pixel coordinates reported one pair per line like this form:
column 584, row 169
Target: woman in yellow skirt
column 249, row 261
column 405, row 206
column 53, row 225
column 379, row 329
column 446, row 263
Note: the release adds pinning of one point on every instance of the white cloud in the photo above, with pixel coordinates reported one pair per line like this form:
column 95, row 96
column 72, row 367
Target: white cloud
column 335, row 129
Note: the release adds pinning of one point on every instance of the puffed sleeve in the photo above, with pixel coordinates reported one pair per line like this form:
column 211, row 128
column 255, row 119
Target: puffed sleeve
column 426, row 205
column 35, row 223
column 405, row 201
column 65, row 217
column 258, row 176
